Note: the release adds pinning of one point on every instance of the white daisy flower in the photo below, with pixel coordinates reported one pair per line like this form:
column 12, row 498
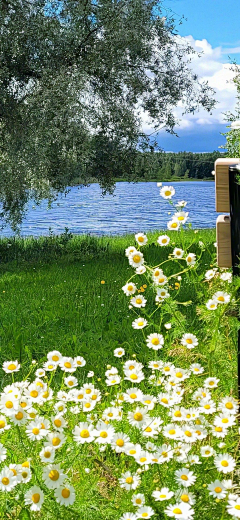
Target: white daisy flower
column 130, row 250
column 128, row 516
column 104, row 433
column 11, row 366
column 178, row 253
column 20, row 417
column 163, row 240
column 167, row 192
column 136, row 259
column 138, row 499
column 211, row 382
column 129, row 289
column 145, row 512
column 40, row 372
column 207, row 451
column 168, row 326
column 119, row 352
column 189, row 340
column 189, row 435
column 79, row 361
column 180, row 510
column 110, row 413
column 88, row 404
column 225, row 463
column 210, row 274
column 196, row 368
column 3, row 452
column 185, row 477
column 143, row 458
column 132, row 450
column 162, row 293
column 228, row 404
column 155, row 365
column 141, row 269
column 225, row 420
column 53, row 476
column 129, row 481
column 60, row 407
column 114, row 380
column 173, row 225
column 181, row 204
column 226, row 277
column 25, row 474
column 185, row 496
column 50, row 366
column 191, row 259
column 70, row 381
column 141, row 239
column 47, row 454
column 7, row 479
column 35, row 432
column 83, row 432
column 219, row 432
column 208, row 406
column 56, row 439
column 221, row 297
column 233, row 507
column 65, row 495
column 135, row 376
column 8, row 404
column 211, row 305
column 138, row 301
column 139, row 323
column 34, row 497
column 155, row 341
column 217, row 489
column 171, row 431
column 181, row 216
column 149, row 401
column 138, row 418
column 54, row 356
column 67, row 364
column 133, row 395
column 163, row 494
column 119, row 442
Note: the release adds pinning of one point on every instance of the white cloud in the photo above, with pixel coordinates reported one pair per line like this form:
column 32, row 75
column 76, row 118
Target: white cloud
column 209, row 67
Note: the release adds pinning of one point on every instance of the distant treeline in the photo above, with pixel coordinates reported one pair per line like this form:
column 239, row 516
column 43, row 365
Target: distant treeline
column 182, row 165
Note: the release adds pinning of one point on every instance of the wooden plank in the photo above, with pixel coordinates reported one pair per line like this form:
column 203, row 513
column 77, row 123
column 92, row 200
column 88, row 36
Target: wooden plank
column 223, row 231
column 222, row 183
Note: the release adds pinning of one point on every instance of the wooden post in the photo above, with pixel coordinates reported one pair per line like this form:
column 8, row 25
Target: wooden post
column 224, row 254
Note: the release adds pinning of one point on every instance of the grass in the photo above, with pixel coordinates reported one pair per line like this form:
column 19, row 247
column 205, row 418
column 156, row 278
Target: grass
column 51, row 297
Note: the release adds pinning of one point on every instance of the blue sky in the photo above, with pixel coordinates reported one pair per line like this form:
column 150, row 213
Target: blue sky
column 212, row 26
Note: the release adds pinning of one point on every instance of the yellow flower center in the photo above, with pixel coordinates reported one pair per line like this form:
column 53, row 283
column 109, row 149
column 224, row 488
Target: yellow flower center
column 9, row 404
column 143, row 459
column 110, row 414
column 55, row 357
column 54, row 475
column 184, row 477
column 5, row 481
column 188, row 433
column 65, row 493
column 50, row 367
column 88, row 391
column 221, row 298
column 147, row 401
column 129, row 480
column 47, row 454
column 140, row 323
column 229, row 405
column 162, row 496
column 189, row 341
column 185, row 498
column 24, row 474
column 84, row 434
column 130, row 287
column 148, row 429
column 2, row 424
column 207, row 406
column 164, row 240
column 19, row 416
column 67, row 364
column 218, row 490
column 237, row 507
column 138, row 501
column 56, row 441
column 174, row 224
column 35, row 498
column 179, row 374
column 167, row 193
column 70, row 383
column 103, row 435
column 138, row 300
column 120, row 443
column 218, row 429
column 133, row 396
column 136, row 259
column 133, row 376
column 207, row 452
column 224, row 463
column 177, row 511
column 25, row 464
column 172, row 432
column 34, row 393
column 138, row 416
column 13, row 471
column 225, row 421
column 35, row 431
column 144, row 515
column 57, row 422
column 132, row 452
column 164, row 400
column 155, row 341
column 12, row 366
column 177, row 413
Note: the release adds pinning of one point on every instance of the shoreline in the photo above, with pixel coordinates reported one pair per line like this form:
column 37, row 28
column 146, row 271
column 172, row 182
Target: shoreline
column 147, row 180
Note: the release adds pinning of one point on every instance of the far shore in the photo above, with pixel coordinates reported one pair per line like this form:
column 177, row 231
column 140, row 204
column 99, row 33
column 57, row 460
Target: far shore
column 149, row 180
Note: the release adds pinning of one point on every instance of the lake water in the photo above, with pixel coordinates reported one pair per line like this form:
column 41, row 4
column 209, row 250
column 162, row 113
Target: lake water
column 132, row 208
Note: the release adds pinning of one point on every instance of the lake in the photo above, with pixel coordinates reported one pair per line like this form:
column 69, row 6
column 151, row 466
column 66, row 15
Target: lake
column 133, row 208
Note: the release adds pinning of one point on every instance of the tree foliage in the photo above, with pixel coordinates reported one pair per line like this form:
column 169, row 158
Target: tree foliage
column 233, row 135
column 77, row 78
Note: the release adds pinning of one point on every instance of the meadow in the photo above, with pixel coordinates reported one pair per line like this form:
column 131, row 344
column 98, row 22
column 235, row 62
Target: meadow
column 65, row 294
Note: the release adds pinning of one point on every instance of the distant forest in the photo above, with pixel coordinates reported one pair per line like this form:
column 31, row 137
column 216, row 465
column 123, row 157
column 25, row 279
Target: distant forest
column 164, row 166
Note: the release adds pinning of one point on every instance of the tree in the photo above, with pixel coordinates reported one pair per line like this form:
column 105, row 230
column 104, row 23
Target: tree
column 233, row 135
column 76, row 79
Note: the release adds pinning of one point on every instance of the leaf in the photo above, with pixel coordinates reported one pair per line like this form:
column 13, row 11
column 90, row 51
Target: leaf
column 24, row 514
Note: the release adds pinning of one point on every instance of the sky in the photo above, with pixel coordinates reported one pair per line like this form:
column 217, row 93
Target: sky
column 211, row 26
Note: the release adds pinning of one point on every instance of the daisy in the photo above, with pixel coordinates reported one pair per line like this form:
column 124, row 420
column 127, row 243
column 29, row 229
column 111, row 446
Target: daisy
column 160, row 280
column 163, row 494
column 162, row 293
column 129, row 481
column 221, row 297
column 119, row 352
column 138, row 418
column 7, row 479
column 207, row 451
column 114, row 380
column 79, row 361
column 50, row 366
column 136, row 259
column 47, row 454
column 67, row 364
column 189, row 340
column 141, row 239
column 181, row 216
column 224, row 463
column 34, row 497
column 40, row 372
column 210, row 274
column 25, row 474
column 20, row 417
column 65, row 495
column 208, row 406
column 132, row 450
column 219, row 432
column 211, row 305
column 171, row 431
column 128, row 516
column 163, row 240
column 191, row 259
column 138, row 500
column 155, row 341
column 189, row 435
column 211, row 382
column 134, row 376
column 145, row 512
column 56, row 439
column 8, row 405
column 185, row 496
column 133, row 395
column 180, row 510
column 83, row 432
column 104, row 433
column 173, row 225
column 141, row 269
column 54, row 356
column 129, row 288
column 138, row 301
column 3, row 452
column 58, row 422
column 181, row 204
column 53, row 476
column 119, row 442
column 60, row 407
column 233, row 507
column 179, row 374
column 70, row 381
column 143, row 458
column 110, row 413
column 35, row 432
column 185, row 477
column 88, row 404
column 11, row 366
column 129, row 250
column 225, row 420
column 149, row 401
column 217, row 489
column 228, row 404
column 226, row 277
column 196, row 368
column 139, row 323
column 167, row 192
column 178, row 253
